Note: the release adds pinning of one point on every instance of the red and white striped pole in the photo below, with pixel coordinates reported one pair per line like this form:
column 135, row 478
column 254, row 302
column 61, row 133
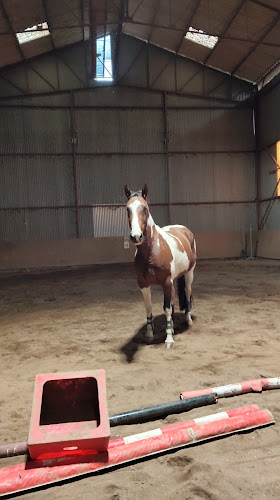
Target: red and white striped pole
column 37, row 473
column 184, row 425
column 226, row 391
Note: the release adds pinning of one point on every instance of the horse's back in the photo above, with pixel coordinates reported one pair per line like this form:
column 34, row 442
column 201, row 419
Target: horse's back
column 181, row 232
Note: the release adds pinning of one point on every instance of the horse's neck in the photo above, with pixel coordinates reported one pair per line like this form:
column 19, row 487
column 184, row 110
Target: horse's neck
column 150, row 235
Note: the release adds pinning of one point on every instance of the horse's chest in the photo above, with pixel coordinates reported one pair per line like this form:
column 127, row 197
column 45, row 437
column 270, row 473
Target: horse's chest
column 150, row 271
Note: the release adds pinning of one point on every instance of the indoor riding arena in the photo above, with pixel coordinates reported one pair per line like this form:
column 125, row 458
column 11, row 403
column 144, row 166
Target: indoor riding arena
column 106, row 392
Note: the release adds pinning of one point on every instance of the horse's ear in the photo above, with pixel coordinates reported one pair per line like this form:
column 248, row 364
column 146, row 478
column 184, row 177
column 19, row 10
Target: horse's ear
column 127, row 191
column 145, row 191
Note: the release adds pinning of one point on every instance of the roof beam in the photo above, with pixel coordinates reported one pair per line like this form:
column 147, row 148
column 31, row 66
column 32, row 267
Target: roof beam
column 71, row 69
column 7, row 18
column 19, row 49
column 84, row 39
column 270, row 7
column 160, row 73
column 93, row 35
column 267, row 31
column 173, row 28
column 191, row 78
column 134, row 60
column 190, row 20
column 41, row 76
column 12, row 84
column 154, row 18
column 138, row 7
column 160, row 26
column 122, row 13
column 48, row 23
column 82, row 19
column 226, row 27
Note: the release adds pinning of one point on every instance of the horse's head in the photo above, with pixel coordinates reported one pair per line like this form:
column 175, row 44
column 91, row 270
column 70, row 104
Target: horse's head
column 138, row 213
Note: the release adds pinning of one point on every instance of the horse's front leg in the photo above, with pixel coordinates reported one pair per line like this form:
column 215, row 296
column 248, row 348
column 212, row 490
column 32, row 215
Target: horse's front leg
column 169, row 293
column 148, row 305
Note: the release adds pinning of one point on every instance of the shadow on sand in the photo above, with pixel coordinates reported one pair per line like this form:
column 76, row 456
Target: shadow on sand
column 130, row 348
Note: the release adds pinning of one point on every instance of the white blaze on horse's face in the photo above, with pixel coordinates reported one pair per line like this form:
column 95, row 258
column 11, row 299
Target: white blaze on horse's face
column 138, row 214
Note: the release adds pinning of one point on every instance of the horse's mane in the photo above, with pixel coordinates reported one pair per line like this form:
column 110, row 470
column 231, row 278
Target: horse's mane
column 135, row 193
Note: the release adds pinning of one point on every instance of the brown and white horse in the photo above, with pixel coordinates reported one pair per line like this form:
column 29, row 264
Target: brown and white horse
column 162, row 255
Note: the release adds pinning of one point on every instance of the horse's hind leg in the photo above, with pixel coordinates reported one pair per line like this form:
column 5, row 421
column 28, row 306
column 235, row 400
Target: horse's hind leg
column 169, row 294
column 188, row 290
column 148, row 305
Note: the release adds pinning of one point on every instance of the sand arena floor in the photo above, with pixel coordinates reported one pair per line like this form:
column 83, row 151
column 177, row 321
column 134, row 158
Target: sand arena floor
column 88, row 319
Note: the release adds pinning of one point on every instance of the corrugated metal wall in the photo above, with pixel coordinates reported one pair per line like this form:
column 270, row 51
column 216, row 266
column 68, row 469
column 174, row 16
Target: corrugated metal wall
column 65, row 69
column 269, row 117
column 268, row 134
column 65, row 158
column 145, row 65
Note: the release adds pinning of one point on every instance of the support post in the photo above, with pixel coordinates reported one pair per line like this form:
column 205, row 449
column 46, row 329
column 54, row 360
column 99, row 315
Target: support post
column 93, row 36
column 166, row 141
column 257, row 162
column 74, row 157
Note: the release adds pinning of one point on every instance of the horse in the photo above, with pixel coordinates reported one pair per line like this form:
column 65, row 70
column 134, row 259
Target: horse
column 162, row 256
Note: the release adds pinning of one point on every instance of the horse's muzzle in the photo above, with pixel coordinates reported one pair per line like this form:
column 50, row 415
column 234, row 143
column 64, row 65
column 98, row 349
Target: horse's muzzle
column 137, row 239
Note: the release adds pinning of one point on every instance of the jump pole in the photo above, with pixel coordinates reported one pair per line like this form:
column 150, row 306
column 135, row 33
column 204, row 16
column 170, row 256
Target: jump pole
column 38, row 473
column 130, row 417
column 243, row 410
column 226, row 391
column 22, row 448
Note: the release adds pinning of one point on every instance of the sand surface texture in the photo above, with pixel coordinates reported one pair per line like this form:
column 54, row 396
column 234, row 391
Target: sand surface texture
column 72, row 321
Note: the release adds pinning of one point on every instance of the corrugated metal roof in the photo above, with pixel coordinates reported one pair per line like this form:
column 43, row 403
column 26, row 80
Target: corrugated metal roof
column 242, row 25
column 248, row 30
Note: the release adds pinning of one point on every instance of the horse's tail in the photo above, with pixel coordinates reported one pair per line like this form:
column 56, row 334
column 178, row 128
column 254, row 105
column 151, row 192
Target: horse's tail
column 181, row 293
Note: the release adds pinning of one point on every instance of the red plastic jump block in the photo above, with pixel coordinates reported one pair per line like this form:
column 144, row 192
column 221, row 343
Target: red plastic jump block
column 69, row 414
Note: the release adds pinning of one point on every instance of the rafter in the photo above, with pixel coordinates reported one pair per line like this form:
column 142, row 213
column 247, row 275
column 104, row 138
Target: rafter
column 68, row 8
column 267, row 31
column 11, row 28
column 122, row 12
column 19, row 49
column 153, row 19
column 41, row 76
column 82, row 18
column 93, row 35
column 71, row 69
column 160, row 73
column 226, row 27
column 190, row 20
column 269, row 7
column 191, row 78
column 84, row 38
column 12, row 84
column 49, row 23
column 137, row 8
column 159, row 26
column 133, row 61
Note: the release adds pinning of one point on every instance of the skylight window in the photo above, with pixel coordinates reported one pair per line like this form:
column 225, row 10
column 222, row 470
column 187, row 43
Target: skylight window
column 32, row 33
column 199, row 36
column 104, row 71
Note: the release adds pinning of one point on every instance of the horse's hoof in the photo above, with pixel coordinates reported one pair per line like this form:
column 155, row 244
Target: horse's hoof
column 149, row 340
column 169, row 345
column 189, row 320
column 149, row 335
